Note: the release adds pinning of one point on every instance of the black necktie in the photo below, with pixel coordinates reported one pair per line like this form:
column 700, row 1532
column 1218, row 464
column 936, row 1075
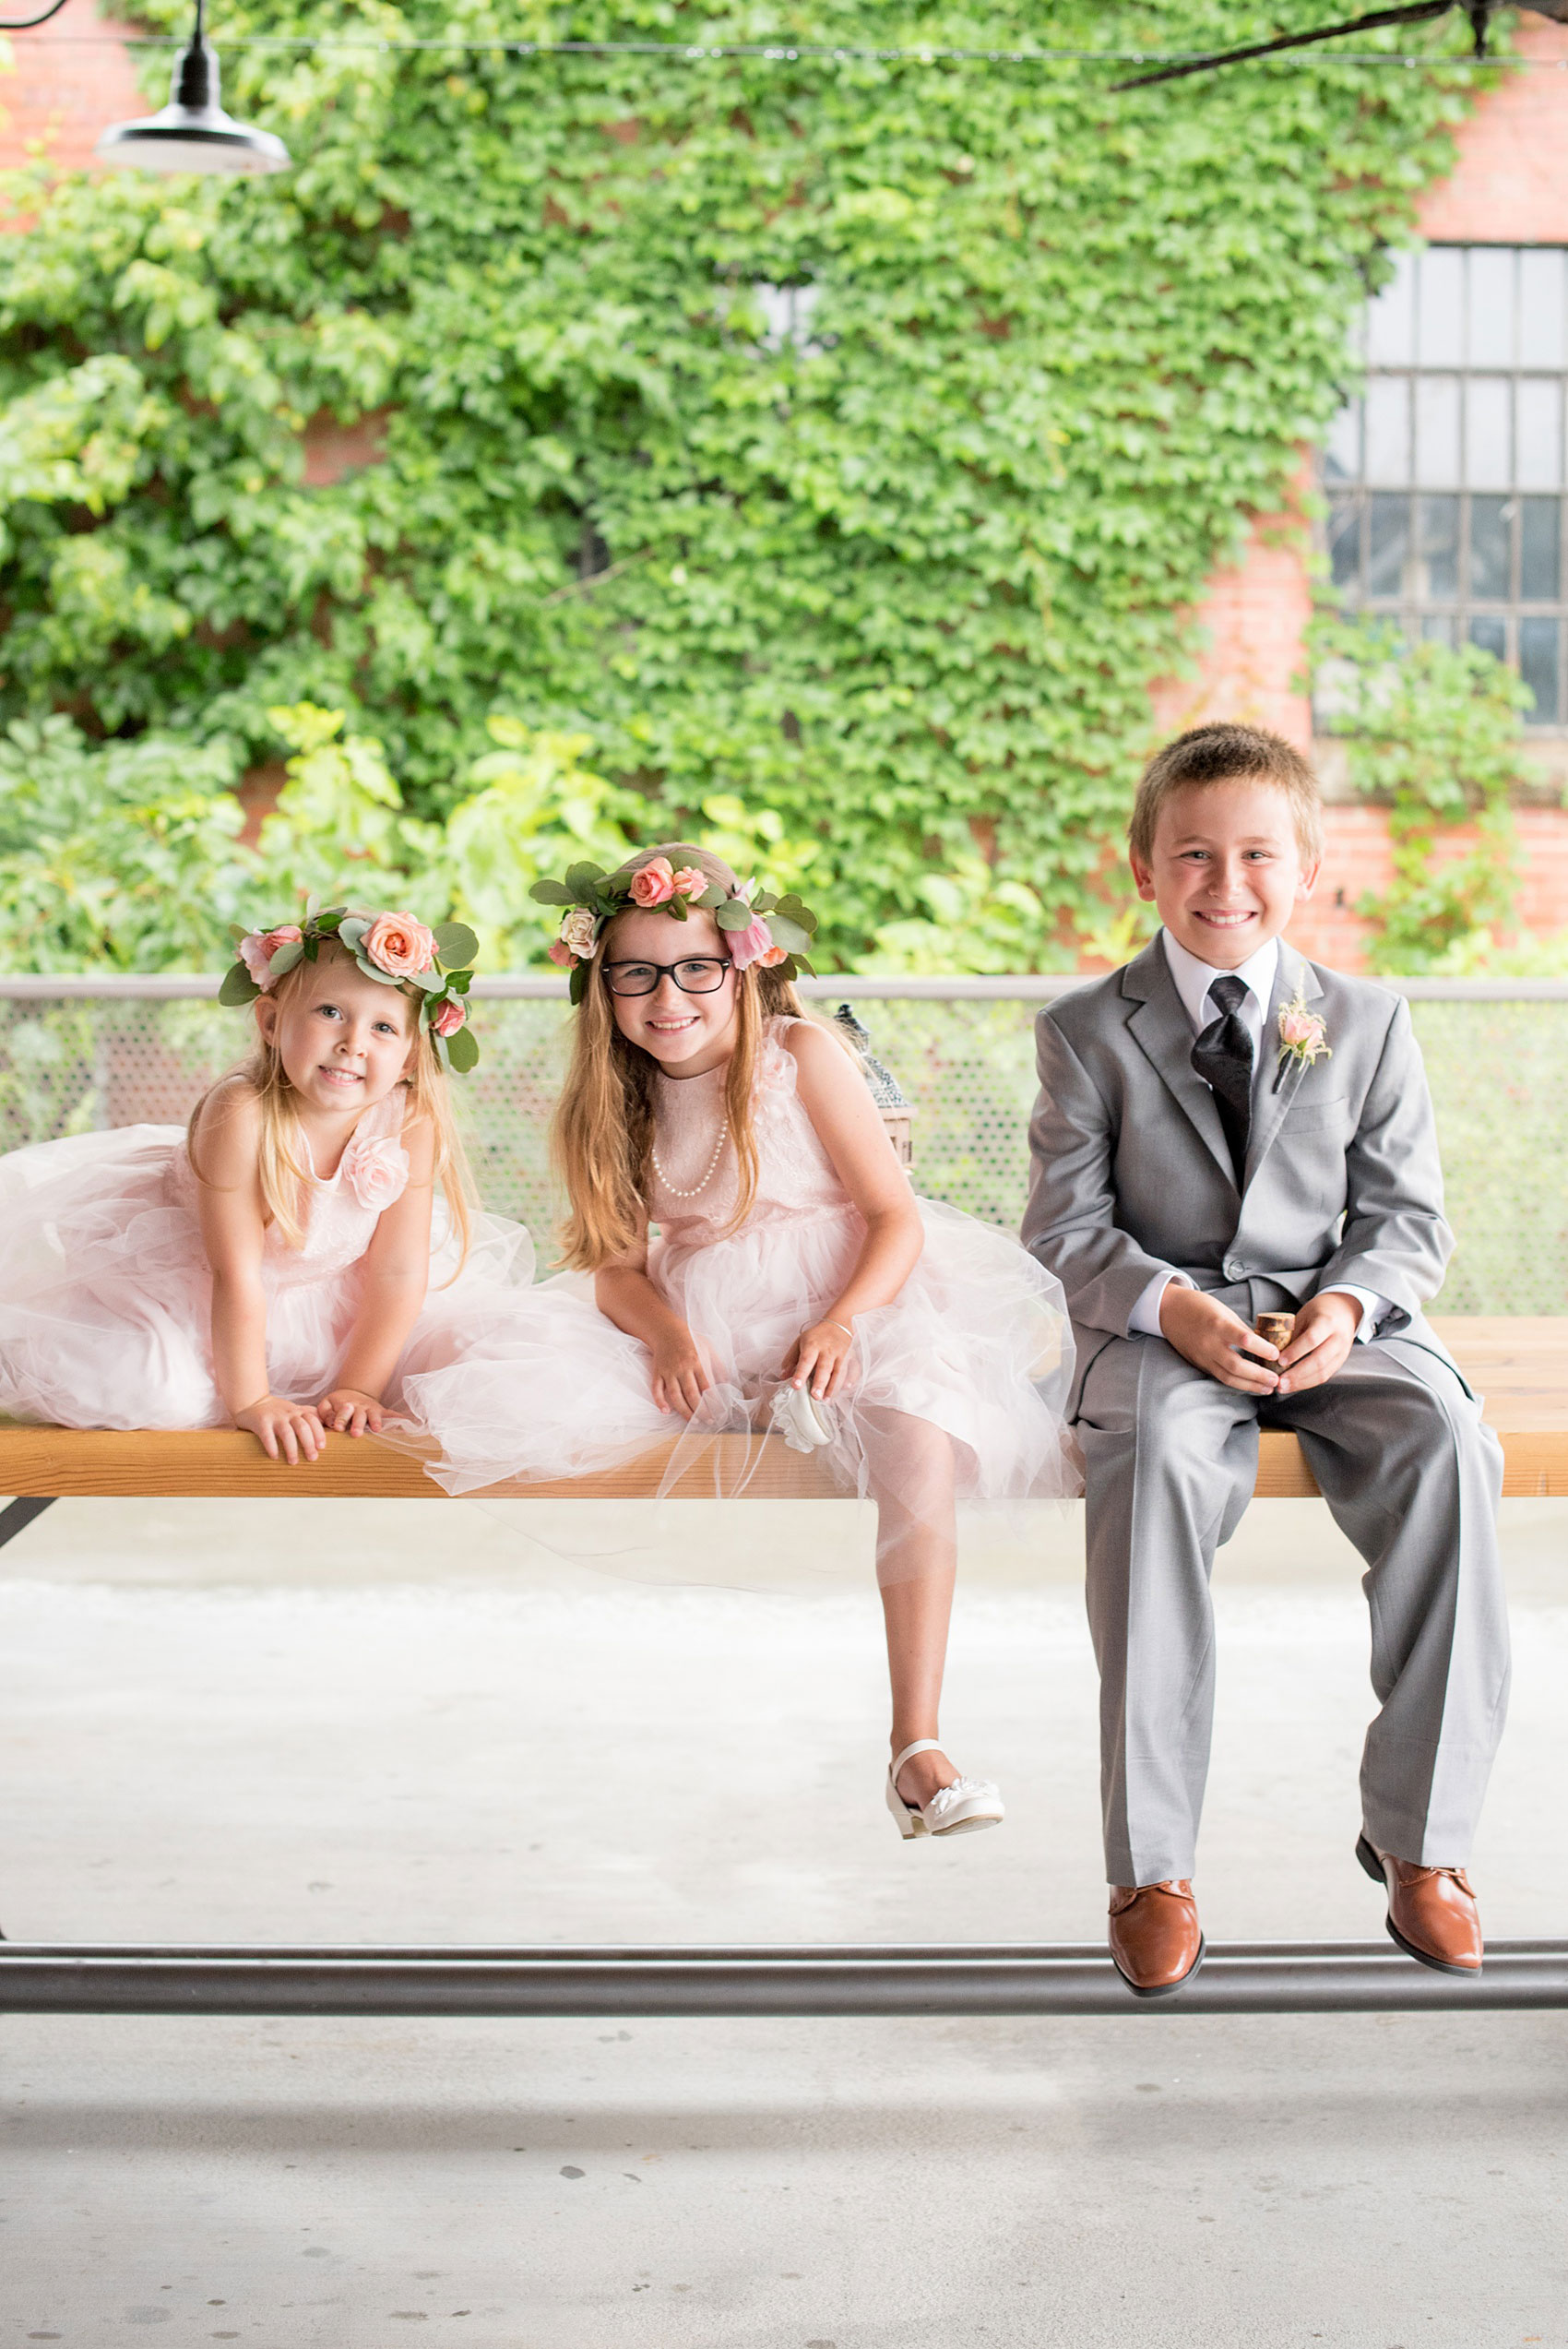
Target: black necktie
column 1223, row 1058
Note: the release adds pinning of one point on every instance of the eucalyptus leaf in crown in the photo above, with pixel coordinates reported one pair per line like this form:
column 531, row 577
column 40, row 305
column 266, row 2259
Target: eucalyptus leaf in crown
column 754, row 925
column 435, row 967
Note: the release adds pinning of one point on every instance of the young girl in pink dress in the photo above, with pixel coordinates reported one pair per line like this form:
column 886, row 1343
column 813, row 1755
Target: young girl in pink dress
column 757, row 1258
column 271, row 1267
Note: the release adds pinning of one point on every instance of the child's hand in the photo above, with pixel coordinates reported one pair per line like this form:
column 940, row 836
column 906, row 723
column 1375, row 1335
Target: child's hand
column 1214, row 1339
column 352, row 1412
column 819, row 1359
column 1321, row 1342
column 680, row 1375
column 274, row 1423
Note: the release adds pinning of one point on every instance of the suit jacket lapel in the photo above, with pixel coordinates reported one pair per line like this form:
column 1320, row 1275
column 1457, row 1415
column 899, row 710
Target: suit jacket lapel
column 1164, row 1034
column 1270, row 1105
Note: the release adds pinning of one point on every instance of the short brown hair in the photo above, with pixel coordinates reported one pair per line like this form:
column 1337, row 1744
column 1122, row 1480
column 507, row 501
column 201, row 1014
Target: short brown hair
column 1226, row 754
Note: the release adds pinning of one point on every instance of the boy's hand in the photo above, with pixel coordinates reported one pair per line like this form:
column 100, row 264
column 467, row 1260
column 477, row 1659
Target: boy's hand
column 274, row 1422
column 1214, row 1339
column 352, row 1412
column 1325, row 1333
column 680, row 1375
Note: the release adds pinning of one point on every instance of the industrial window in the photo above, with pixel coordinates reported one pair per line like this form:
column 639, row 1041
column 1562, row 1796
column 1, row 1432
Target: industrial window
column 1446, row 480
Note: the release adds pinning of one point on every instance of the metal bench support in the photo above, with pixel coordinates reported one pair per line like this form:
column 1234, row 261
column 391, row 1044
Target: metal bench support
column 1350, row 1977
column 16, row 1516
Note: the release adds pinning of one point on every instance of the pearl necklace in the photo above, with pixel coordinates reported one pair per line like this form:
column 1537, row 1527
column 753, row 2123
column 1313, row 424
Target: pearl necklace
column 674, row 1188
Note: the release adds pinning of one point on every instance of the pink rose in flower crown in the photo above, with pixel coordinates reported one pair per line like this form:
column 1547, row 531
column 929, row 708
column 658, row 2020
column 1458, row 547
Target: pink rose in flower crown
column 398, row 945
column 449, row 1016
column 653, row 883
column 257, row 951
column 376, row 1172
column 754, row 944
column 688, row 882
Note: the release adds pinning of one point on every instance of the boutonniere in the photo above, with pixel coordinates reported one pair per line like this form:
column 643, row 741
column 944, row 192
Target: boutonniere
column 1302, row 1038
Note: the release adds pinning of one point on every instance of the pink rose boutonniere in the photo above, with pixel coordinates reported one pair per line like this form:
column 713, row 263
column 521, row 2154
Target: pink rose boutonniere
column 1303, row 1038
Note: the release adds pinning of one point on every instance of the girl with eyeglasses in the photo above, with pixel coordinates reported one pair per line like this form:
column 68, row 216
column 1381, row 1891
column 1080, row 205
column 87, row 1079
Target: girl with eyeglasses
column 758, row 1260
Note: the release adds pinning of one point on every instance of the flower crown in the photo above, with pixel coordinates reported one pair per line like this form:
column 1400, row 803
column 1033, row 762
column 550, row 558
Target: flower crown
column 436, row 965
column 758, row 926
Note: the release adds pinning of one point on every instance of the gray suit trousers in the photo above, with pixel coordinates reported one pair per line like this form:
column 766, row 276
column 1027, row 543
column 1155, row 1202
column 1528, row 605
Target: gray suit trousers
column 1412, row 1476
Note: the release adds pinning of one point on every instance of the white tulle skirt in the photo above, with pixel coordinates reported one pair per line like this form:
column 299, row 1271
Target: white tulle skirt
column 106, row 1296
column 957, row 1389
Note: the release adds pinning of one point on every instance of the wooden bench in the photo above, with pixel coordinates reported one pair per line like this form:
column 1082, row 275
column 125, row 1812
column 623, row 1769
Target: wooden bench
column 1521, row 1366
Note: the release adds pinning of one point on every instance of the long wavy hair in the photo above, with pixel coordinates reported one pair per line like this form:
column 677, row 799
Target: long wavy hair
column 280, row 1165
column 602, row 1137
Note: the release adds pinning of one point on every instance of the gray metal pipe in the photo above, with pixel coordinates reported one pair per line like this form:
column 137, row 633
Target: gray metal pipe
column 1251, row 1978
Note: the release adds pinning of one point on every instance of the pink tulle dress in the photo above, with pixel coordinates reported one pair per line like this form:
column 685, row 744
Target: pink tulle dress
column 106, row 1296
column 976, row 1345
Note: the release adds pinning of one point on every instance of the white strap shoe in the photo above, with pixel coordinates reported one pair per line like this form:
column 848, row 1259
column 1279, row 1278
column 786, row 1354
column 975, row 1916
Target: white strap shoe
column 958, row 1809
column 804, row 1424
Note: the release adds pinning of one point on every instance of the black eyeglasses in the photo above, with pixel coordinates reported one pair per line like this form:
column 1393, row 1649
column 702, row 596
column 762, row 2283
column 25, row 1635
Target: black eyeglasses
column 699, row 974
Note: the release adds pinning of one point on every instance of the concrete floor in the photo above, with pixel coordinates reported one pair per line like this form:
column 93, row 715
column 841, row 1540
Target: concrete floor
column 330, row 1723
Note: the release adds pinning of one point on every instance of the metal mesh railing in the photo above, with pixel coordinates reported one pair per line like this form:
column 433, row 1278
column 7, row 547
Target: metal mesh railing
column 76, row 1053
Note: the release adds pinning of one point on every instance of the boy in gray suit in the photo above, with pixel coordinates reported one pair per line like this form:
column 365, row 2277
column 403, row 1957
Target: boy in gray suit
column 1223, row 1129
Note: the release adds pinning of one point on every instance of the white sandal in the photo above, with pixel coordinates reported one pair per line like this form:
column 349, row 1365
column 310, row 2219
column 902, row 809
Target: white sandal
column 958, row 1809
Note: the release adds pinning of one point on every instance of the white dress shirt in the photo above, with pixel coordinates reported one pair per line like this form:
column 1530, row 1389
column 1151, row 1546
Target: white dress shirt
column 1193, row 981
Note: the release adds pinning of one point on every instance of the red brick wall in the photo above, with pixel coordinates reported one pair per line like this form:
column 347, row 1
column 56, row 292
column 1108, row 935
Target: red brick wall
column 1510, row 187
column 1253, row 619
column 65, row 83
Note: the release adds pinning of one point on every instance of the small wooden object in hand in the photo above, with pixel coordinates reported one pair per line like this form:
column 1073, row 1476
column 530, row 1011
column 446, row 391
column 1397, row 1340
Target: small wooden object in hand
column 1276, row 1327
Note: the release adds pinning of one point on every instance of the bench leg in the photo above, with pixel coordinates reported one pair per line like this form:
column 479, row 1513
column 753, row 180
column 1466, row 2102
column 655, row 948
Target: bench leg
column 16, row 1516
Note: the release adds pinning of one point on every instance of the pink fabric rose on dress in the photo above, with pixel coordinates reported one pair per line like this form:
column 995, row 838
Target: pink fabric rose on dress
column 754, row 944
column 449, row 1017
column 257, row 951
column 653, row 883
column 376, row 1172
column 398, row 945
column 688, row 882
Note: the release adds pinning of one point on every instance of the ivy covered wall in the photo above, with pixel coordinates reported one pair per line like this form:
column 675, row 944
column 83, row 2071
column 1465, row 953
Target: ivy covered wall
column 849, row 440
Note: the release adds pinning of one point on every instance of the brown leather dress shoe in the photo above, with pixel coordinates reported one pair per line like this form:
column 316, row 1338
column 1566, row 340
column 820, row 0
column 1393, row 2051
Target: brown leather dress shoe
column 1155, row 1938
column 1432, row 1914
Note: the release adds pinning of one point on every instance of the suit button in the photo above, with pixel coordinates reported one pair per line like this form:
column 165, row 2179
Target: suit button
column 1232, row 1269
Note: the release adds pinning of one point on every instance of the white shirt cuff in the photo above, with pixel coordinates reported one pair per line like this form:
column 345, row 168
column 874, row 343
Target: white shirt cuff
column 1144, row 1320
column 1372, row 1306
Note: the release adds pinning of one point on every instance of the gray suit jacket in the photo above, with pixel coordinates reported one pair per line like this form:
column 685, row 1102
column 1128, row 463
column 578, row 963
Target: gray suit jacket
column 1132, row 1174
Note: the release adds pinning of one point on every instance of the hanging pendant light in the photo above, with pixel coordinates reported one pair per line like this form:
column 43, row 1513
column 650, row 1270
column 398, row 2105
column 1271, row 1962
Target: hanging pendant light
column 193, row 132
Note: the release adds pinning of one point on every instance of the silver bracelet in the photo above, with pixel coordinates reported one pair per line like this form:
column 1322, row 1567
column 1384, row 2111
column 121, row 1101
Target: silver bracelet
column 844, row 1326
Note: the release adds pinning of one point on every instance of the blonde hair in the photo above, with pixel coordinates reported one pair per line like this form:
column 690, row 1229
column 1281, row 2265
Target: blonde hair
column 280, row 1161
column 1227, row 754
column 602, row 1138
